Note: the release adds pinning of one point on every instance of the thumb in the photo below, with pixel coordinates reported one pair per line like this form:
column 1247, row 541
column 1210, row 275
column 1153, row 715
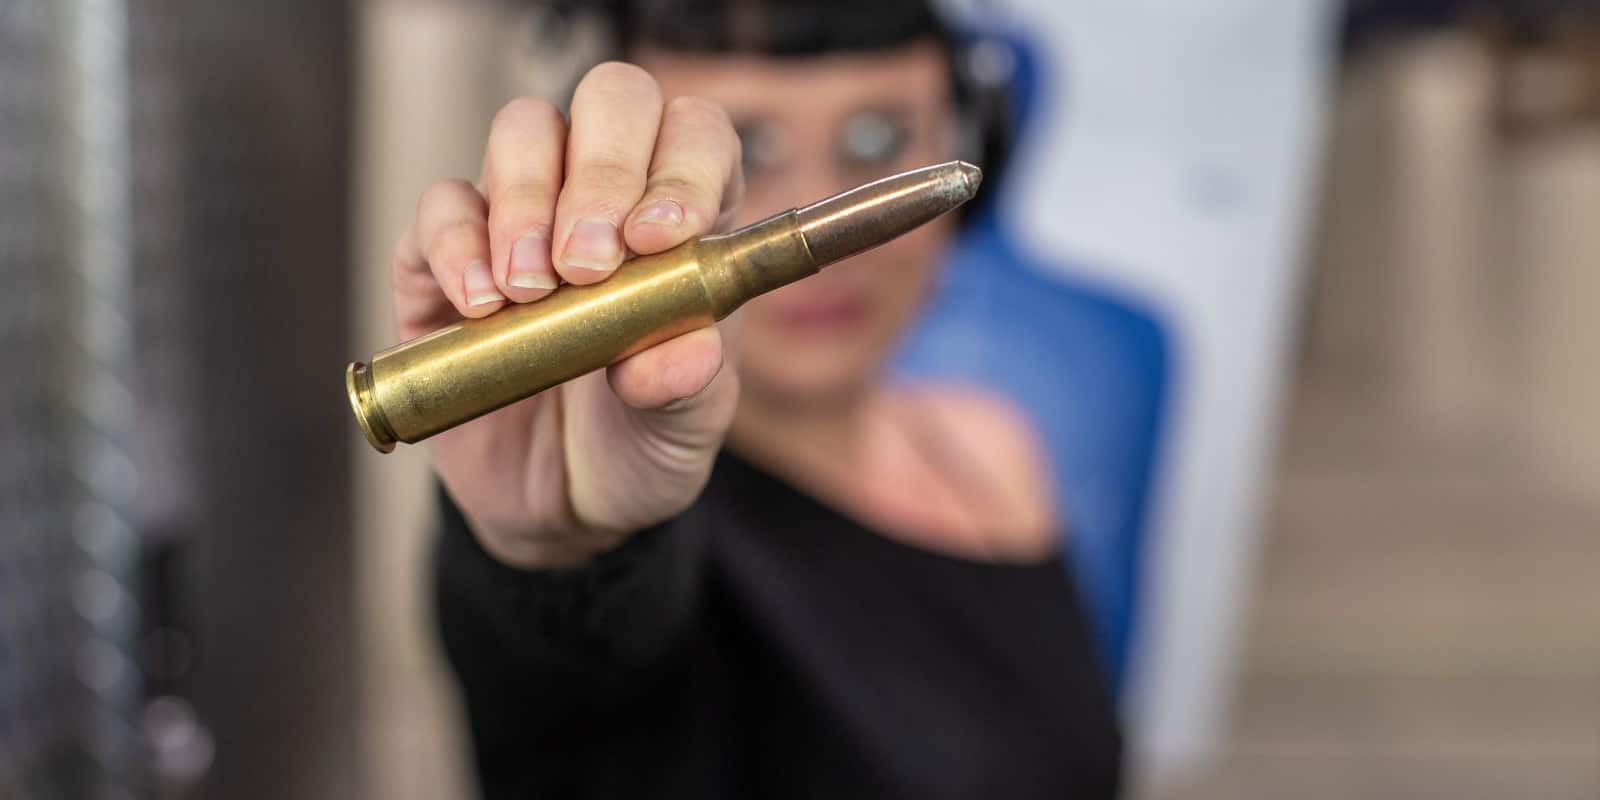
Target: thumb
column 684, row 385
column 671, row 374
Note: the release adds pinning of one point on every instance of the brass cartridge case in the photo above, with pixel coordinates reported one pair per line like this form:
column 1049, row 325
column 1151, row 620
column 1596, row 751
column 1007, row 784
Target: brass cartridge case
column 464, row 370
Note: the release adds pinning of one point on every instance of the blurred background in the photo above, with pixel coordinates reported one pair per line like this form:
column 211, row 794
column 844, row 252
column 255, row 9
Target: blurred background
column 1361, row 557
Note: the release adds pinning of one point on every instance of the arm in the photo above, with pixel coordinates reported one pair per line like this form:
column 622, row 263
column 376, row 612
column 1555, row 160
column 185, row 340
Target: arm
column 541, row 654
column 565, row 577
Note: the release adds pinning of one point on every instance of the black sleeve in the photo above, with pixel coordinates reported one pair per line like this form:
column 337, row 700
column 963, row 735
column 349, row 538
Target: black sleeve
column 540, row 654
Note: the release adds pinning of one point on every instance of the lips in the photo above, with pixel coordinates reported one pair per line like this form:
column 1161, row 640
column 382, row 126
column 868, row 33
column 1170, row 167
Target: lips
column 819, row 313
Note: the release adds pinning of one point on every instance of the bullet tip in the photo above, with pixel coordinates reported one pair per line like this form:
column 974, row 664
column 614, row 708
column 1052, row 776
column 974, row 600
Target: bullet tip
column 972, row 175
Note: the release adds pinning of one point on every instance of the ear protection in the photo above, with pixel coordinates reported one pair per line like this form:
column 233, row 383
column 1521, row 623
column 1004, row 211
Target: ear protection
column 982, row 72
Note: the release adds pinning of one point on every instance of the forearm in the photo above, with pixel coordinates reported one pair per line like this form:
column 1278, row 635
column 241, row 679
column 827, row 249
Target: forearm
column 537, row 651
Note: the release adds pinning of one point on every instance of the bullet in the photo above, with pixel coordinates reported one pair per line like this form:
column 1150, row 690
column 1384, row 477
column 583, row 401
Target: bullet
column 469, row 368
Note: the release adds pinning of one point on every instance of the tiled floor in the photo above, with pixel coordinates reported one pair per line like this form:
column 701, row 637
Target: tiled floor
column 1426, row 621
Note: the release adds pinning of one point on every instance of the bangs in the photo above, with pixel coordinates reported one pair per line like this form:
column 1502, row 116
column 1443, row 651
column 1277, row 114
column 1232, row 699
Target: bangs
column 770, row 27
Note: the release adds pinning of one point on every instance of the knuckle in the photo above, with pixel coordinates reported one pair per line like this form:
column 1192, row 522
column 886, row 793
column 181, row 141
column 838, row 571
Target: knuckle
column 524, row 140
column 524, row 197
column 686, row 185
column 708, row 122
column 699, row 109
column 455, row 237
column 620, row 77
column 524, row 110
column 607, row 173
column 522, row 219
column 445, row 194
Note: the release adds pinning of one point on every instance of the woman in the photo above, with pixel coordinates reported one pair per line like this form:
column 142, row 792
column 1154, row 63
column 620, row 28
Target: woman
column 740, row 563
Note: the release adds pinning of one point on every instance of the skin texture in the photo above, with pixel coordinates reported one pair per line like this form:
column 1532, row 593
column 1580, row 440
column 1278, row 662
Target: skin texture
column 649, row 159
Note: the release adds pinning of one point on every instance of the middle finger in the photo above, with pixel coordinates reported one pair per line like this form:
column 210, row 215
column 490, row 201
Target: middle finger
column 616, row 112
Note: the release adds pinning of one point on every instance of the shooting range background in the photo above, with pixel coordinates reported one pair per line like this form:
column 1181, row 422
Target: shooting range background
column 1416, row 290
column 175, row 530
column 1386, row 591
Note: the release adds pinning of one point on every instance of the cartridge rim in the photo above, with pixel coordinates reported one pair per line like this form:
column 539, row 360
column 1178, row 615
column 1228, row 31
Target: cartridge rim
column 358, row 385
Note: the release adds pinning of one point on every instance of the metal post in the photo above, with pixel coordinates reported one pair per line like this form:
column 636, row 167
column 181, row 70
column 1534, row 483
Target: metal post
column 98, row 216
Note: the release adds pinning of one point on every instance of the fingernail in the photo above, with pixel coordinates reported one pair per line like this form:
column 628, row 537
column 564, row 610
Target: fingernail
column 480, row 285
column 593, row 245
column 661, row 212
column 530, row 264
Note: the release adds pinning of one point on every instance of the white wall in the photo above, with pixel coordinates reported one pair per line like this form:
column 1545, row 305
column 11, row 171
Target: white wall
column 1177, row 162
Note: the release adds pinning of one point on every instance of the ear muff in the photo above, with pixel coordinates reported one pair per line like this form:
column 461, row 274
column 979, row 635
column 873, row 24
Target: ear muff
column 983, row 69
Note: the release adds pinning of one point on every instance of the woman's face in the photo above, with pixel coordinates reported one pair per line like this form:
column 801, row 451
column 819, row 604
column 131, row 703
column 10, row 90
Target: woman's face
column 812, row 127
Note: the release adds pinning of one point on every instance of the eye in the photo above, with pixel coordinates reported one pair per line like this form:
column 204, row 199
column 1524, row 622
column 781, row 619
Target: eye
column 764, row 146
column 871, row 139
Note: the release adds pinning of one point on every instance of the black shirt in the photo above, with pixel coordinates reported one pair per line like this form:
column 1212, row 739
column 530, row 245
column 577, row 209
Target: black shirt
column 764, row 645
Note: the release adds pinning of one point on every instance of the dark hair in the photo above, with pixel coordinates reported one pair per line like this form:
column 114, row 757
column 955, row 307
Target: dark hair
column 769, row 27
column 800, row 28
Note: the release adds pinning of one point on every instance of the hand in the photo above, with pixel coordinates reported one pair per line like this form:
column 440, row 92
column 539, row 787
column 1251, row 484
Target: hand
column 567, row 474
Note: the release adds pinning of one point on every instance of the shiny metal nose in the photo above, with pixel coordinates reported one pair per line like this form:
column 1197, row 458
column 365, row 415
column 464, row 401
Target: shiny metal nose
column 973, row 175
column 877, row 212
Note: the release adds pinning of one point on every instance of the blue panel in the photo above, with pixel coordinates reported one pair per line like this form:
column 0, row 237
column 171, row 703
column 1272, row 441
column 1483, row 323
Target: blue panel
column 1092, row 372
